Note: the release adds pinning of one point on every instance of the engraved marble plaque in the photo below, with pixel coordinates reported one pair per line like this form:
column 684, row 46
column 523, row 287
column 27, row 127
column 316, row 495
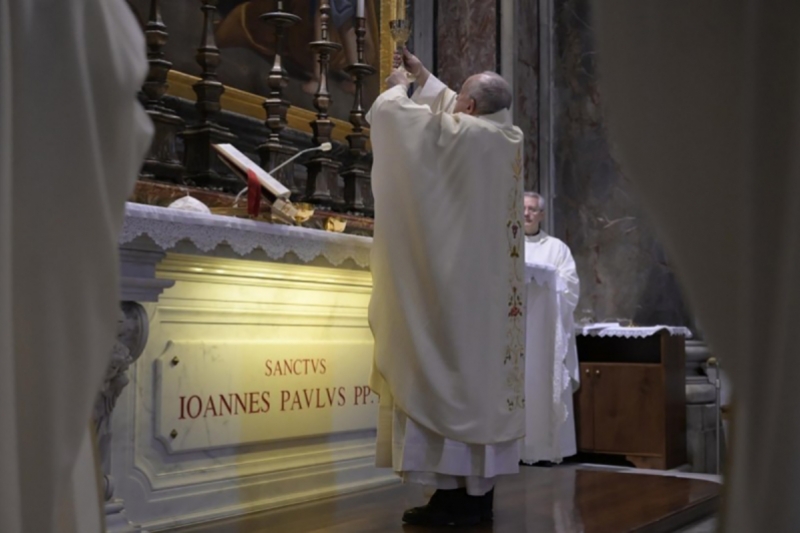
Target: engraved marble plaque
column 222, row 394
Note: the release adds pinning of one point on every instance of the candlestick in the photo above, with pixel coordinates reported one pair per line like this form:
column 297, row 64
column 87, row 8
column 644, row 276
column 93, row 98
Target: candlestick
column 161, row 162
column 322, row 182
column 357, row 190
column 276, row 151
column 203, row 166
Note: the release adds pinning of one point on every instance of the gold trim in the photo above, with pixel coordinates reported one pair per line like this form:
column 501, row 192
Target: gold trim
column 245, row 103
column 388, row 8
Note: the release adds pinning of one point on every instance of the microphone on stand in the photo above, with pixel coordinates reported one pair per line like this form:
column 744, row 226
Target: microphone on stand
column 324, row 147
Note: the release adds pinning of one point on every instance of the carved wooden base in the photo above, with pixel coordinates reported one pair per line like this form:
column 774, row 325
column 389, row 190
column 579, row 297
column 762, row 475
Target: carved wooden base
column 203, row 166
column 161, row 162
column 323, row 183
column 272, row 155
column 357, row 190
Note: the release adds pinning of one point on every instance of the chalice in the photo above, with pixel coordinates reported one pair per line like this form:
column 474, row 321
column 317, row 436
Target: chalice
column 401, row 31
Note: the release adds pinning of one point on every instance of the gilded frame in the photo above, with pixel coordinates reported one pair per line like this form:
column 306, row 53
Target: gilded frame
column 250, row 104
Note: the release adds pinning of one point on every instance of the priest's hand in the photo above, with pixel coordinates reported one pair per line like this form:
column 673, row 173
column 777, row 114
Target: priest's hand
column 413, row 65
column 398, row 77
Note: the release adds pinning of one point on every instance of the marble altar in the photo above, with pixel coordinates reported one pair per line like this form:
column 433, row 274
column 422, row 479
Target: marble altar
column 246, row 350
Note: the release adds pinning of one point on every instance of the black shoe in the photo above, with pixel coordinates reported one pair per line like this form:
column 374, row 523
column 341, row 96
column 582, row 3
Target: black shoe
column 487, row 506
column 447, row 508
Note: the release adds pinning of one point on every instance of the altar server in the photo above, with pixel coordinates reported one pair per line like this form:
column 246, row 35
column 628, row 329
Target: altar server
column 551, row 358
column 447, row 309
column 72, row 137
column 704, row 110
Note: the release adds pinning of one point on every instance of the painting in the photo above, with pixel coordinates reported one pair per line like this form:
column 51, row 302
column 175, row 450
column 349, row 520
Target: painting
column 247, row 45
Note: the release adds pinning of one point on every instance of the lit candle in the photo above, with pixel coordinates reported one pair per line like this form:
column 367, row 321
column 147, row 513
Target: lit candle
column 360, row 9
column 401, row 9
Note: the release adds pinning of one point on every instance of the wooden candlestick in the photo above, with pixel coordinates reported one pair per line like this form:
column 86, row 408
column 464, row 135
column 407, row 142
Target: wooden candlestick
column 357, row 189
column 275, row 150
column 322, row 184
column 161, row 162
column 203, row 166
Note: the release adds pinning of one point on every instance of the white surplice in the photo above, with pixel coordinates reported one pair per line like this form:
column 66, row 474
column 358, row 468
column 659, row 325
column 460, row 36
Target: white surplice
column 551, row 358
column 72, row 137
column 703, row 105
column 447, row 310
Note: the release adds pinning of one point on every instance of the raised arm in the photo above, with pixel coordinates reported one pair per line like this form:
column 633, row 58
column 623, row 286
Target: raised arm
column 430, row 90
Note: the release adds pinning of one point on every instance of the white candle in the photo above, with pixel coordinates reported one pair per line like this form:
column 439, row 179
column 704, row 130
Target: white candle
column 360, row 9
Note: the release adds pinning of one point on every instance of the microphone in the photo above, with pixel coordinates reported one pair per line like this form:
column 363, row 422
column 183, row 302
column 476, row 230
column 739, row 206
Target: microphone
column 324, row 147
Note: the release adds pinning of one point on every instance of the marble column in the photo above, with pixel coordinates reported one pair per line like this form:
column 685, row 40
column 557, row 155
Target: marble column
column 132, row 330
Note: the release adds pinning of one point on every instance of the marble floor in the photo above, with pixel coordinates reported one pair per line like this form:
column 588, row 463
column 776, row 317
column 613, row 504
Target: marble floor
column 562, row 499
column 706, row 526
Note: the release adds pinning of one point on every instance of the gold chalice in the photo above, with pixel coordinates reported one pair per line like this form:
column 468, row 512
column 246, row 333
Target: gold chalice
column 401, row 31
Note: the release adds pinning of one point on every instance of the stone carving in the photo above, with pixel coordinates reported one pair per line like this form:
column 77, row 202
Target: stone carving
column 132, row 331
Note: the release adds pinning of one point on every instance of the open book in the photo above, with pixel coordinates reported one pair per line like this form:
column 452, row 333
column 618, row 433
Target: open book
column 277, row 193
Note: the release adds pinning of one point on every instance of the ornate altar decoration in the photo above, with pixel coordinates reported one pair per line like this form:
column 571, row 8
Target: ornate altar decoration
column 272, row 78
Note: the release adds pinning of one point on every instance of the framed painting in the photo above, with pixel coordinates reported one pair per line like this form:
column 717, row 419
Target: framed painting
column 247, row 47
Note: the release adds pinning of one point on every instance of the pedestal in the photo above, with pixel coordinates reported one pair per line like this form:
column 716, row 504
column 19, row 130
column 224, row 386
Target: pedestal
column 322, row 187
column 132, row 331
column 272, row 155
column 203, row 166
column 161, row 162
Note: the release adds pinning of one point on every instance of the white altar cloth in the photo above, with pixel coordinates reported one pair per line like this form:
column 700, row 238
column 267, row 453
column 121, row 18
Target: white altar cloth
column 166, row 227
column 551, row 369
column 616, row 330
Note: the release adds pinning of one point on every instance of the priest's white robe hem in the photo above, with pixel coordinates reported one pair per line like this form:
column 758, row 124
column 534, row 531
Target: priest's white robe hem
column 419, row 455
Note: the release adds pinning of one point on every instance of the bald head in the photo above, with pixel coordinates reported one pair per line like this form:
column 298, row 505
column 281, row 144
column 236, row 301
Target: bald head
column 484, row 94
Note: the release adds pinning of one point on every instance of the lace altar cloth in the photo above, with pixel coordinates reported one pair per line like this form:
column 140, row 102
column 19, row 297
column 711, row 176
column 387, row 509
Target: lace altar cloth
column 166, row 227
column 615, row 330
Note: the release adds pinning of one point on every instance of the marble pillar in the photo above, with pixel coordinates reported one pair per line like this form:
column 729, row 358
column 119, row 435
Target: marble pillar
column 132, row 331
column 623, row 269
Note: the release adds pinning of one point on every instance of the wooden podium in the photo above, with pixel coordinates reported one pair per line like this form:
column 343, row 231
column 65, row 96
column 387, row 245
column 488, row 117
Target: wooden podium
column 632, row 399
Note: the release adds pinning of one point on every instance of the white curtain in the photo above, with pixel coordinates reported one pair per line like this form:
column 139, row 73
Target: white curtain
column 702, row 103
column 72, row 137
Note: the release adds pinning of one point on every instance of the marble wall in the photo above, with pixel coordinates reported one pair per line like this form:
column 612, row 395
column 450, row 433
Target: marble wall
column 526, row 84
column 466, row 36
column 623, row 269
column 467, row 42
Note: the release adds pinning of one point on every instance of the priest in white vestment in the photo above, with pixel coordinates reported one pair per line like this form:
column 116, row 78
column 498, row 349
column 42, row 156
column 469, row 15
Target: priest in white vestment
column 447, row 310
column 551, row 358
column 72, row 138
column 703, row 106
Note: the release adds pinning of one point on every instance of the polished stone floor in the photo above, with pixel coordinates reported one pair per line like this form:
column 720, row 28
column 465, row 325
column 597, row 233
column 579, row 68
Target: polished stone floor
column 564, row 499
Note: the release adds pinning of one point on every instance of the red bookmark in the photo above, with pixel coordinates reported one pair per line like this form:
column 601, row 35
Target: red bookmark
column 253, row 194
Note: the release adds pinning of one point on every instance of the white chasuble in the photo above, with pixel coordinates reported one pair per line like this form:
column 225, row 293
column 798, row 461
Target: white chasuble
column 704, row 111
column 551, row 357
column 447, row 310
column 72, row 138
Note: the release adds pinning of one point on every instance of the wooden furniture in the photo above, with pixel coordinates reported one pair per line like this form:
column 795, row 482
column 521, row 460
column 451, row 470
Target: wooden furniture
column 632, row 399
